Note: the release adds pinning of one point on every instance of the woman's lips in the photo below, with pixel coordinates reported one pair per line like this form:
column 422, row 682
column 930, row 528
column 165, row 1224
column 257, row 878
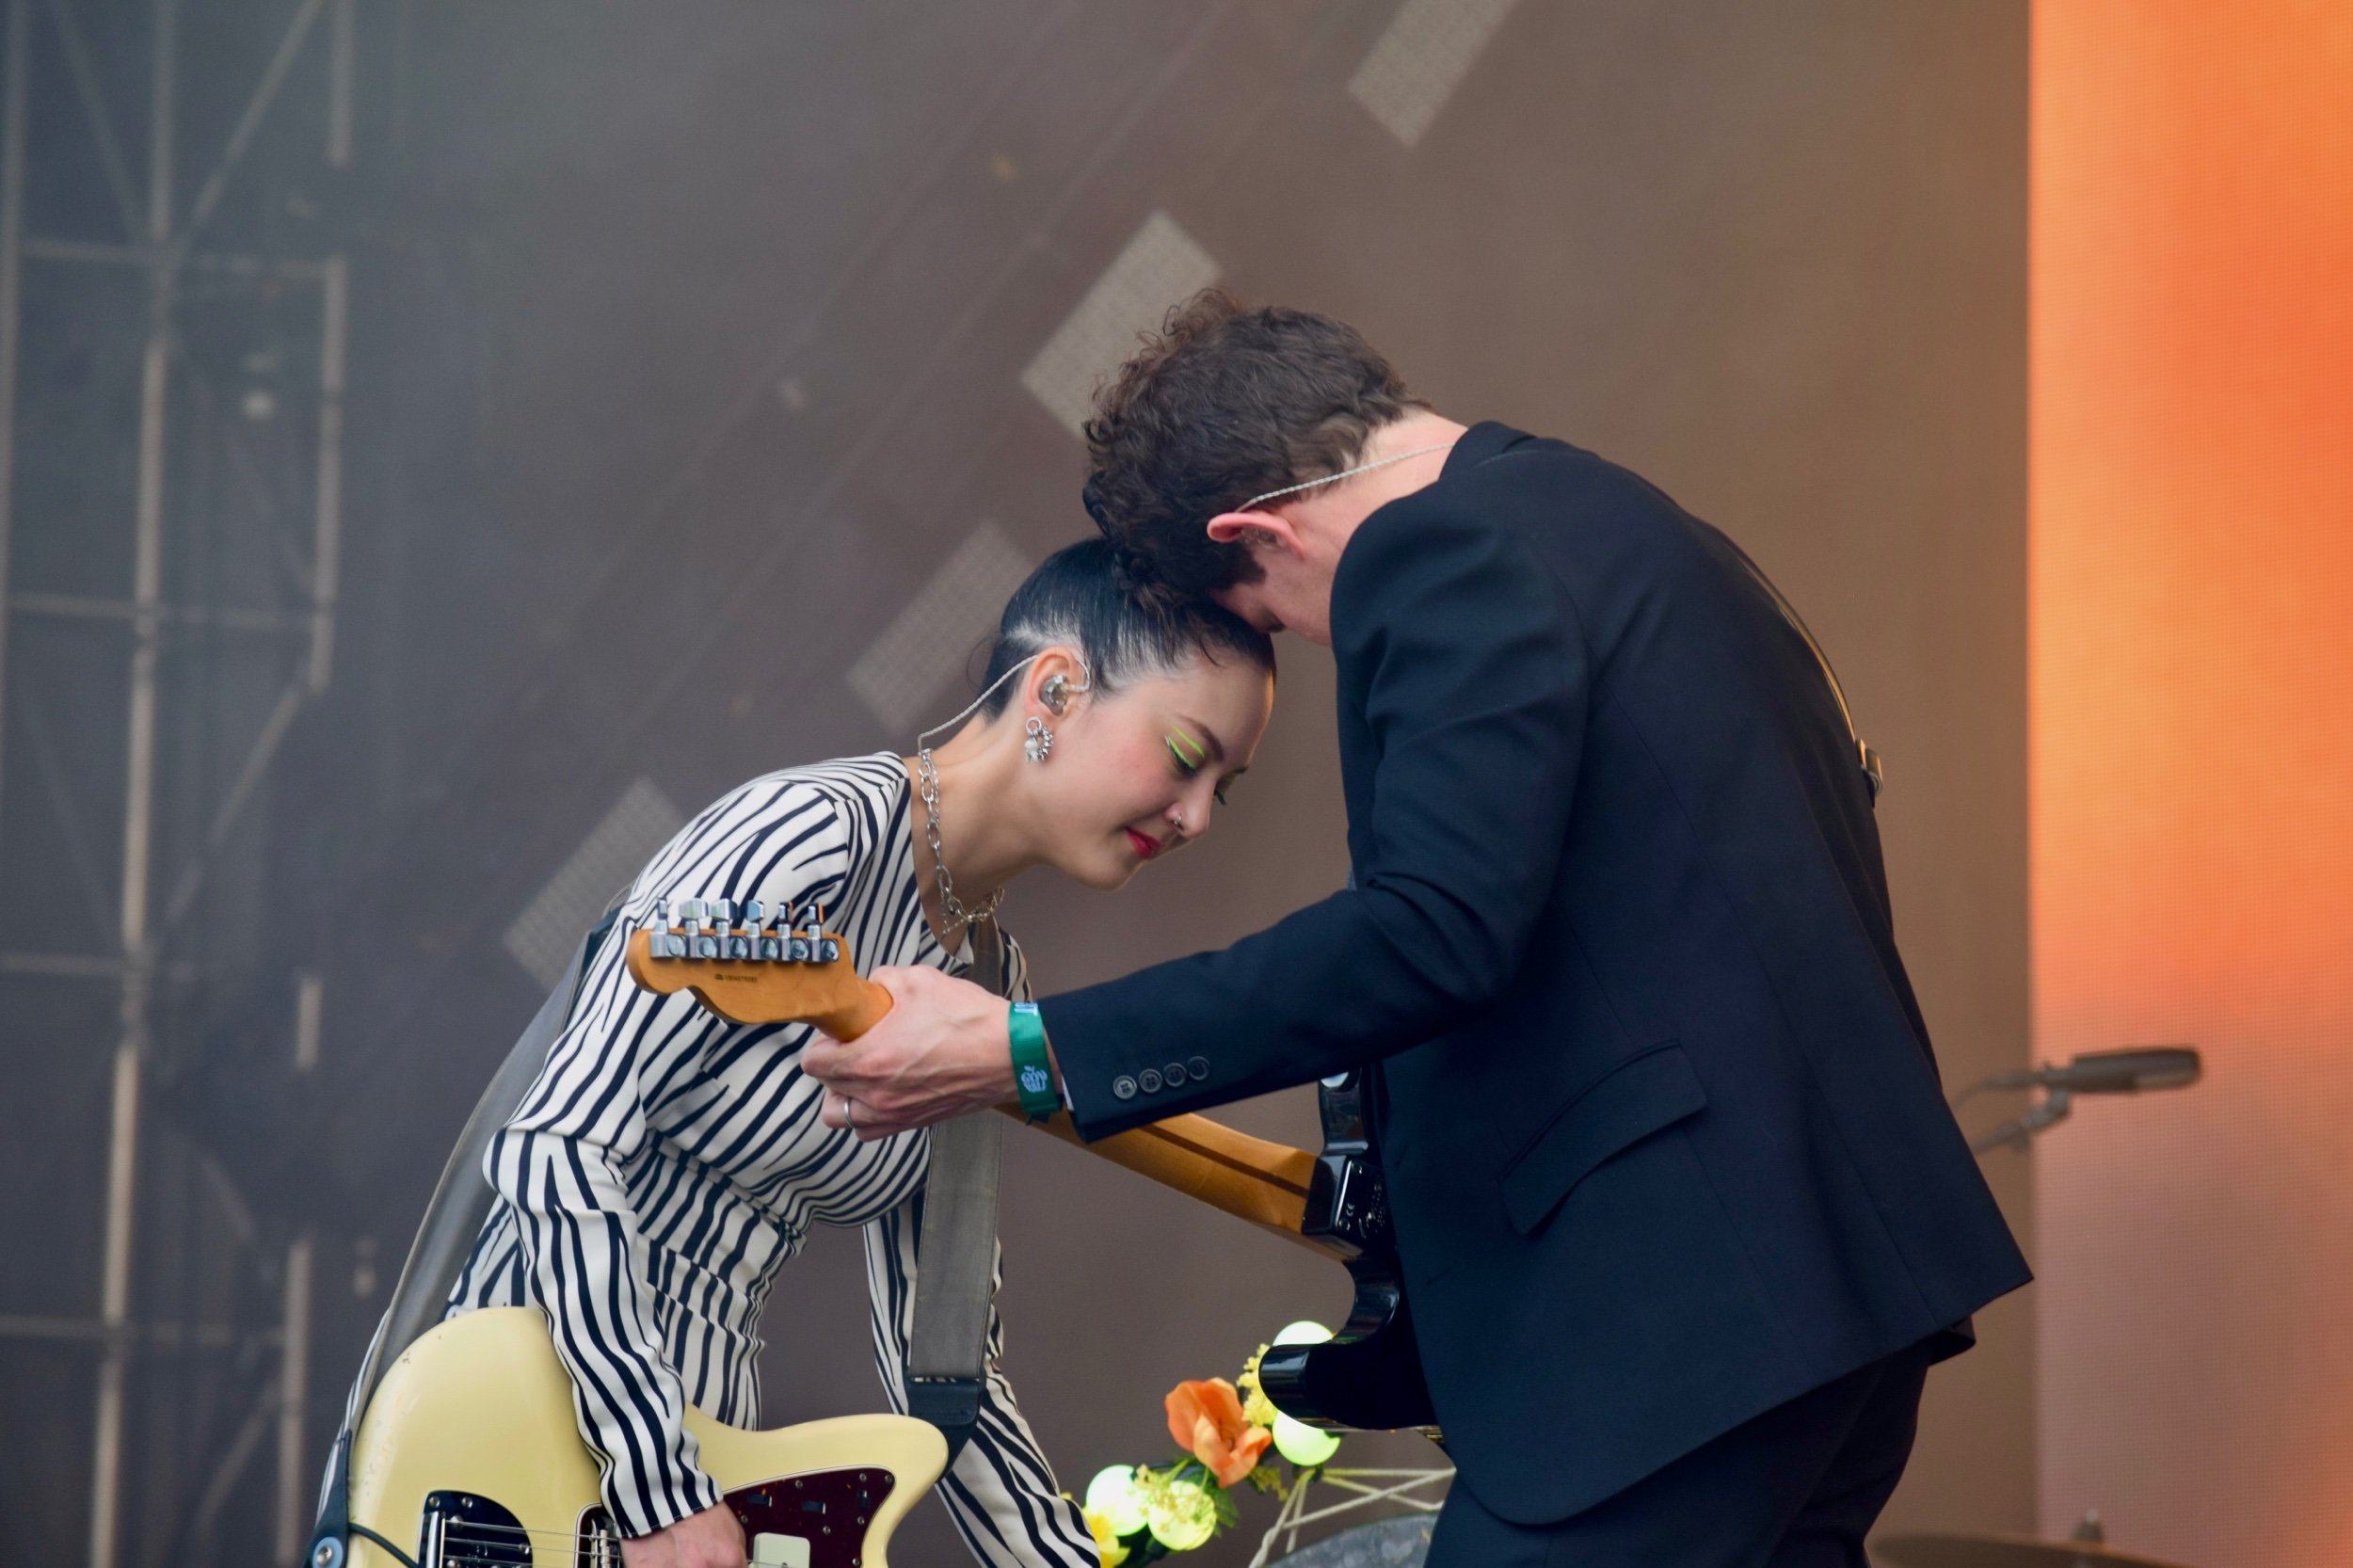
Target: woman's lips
column 1144, row 843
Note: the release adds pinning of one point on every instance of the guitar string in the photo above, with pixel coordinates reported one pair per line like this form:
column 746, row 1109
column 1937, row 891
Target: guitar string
column 522, row 1554
column 597, row 1556
column 486, row 1527
column 456, row 1532
column 513, row 1555
column 506, row 1554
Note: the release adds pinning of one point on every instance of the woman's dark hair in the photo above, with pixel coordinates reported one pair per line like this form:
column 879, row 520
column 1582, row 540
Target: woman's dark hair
column 1078, row 597
column 1226, row 404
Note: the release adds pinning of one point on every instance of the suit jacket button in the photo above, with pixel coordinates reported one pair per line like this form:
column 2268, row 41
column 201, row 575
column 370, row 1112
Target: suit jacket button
column 1124, row 1087
column 1149, row 1080
column 1199, row 1068
column 1174, row 1075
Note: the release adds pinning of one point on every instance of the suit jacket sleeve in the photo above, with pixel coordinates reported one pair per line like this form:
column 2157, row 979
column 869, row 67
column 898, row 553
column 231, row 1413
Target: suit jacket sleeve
column 1466, row 655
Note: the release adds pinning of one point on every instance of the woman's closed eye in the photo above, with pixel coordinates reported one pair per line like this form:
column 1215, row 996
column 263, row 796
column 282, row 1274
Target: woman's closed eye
column 1189, row 755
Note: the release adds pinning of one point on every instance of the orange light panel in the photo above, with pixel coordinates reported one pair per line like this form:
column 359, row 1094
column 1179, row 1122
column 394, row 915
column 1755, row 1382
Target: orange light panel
column 2191, row 603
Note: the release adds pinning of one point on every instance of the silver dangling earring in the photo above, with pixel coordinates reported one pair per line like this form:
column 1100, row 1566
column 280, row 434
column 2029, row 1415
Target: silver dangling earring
column 1040, row 745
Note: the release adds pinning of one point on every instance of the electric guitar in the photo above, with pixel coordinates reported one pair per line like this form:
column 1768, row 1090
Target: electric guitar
column 754, row 967
column 469, row 1458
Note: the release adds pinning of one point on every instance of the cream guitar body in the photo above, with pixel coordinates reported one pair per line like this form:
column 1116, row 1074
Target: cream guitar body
column 470, row 1456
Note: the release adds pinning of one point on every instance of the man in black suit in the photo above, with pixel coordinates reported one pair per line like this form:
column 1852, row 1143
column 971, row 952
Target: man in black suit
column 1682, row 1214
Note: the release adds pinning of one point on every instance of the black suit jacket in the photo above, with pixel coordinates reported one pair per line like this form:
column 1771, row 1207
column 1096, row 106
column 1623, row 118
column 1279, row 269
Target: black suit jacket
column 1664, row 1136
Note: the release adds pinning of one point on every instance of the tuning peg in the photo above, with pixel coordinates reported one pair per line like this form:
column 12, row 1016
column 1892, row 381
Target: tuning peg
column 755, row 914
column 723, row 913
column 822, row 948
column 661, row 942
column 700, row 942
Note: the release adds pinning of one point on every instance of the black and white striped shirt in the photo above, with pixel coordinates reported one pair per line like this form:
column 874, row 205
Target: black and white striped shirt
column 667, row 1163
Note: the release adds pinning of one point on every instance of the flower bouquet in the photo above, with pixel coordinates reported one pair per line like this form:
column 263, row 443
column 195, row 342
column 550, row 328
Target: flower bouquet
column 1224, row 1433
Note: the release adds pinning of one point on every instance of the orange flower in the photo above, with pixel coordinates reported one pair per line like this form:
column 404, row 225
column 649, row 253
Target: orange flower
column 1205, row 1417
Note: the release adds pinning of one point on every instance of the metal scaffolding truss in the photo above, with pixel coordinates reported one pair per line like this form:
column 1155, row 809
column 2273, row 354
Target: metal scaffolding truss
column 162, row 247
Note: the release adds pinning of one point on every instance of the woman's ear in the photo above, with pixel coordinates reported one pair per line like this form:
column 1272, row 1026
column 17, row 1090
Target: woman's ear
column 1057, row 682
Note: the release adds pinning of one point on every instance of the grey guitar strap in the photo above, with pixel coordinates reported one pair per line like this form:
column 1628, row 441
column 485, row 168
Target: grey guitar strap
column 956, row 1251
column 461, row 1202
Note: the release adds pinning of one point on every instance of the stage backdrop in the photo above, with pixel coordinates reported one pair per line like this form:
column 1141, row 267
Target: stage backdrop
column 2193, row 767
column 713, row 373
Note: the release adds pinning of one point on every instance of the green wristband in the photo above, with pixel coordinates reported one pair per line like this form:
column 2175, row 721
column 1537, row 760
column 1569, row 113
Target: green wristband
column 1032, row 1076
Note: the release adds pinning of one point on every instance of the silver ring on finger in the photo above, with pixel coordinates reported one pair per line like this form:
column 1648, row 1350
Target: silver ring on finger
column 849, row 1115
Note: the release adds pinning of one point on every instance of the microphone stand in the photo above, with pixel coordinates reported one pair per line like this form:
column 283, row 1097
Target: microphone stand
column 2047, row 1113
column 2102, row 1072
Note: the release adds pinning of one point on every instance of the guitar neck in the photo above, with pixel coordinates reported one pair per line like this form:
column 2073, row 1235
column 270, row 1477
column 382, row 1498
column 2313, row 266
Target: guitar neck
column 1251, row 1178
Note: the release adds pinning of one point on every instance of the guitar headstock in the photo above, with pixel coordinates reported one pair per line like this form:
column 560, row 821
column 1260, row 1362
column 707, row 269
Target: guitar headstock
column 754, row 966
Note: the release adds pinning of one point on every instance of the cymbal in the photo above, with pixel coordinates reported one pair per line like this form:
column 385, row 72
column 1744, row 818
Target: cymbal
column 2001, row 1551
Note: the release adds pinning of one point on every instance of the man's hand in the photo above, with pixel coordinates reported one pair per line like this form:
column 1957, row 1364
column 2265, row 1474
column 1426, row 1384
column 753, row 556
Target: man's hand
column 710, row 1538
column 942, row 1050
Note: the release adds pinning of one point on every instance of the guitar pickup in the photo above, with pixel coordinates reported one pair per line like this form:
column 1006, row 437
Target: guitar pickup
column 771, row 1549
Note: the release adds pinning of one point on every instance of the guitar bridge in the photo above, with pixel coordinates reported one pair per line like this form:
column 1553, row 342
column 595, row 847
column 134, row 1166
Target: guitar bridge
column 463, row 1530
column 600, row 1543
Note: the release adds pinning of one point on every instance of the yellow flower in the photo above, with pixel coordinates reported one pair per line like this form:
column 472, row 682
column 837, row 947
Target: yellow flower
column 1182, row 1515
column 1255, row 1407
column 1106, row 1540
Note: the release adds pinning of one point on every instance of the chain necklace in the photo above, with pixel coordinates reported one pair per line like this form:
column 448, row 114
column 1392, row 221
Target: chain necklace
column 952, row 908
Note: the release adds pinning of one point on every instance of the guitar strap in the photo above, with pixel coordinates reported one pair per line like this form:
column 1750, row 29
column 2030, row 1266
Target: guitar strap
column 453, row 1219
column 956, row 1250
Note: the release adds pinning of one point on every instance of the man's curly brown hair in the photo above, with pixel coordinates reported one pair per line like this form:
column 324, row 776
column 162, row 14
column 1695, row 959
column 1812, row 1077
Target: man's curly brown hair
column 1222, row 405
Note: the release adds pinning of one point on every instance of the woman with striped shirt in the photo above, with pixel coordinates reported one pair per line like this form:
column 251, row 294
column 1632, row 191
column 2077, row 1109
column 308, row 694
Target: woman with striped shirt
column 667, row 1163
